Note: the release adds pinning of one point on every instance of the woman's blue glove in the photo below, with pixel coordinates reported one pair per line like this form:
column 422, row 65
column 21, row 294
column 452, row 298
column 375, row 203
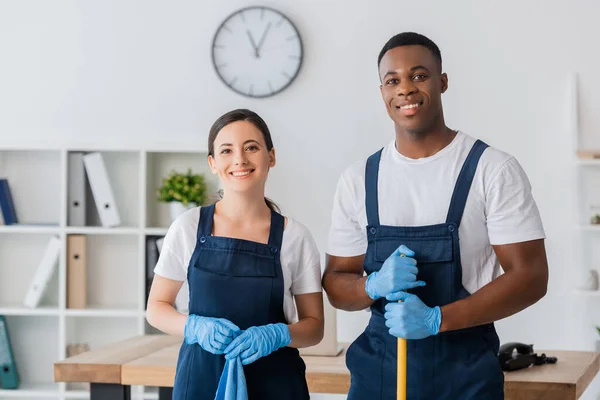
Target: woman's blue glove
column 257, row 342
column 213, row 334
column 411, row 319
column 397, row 273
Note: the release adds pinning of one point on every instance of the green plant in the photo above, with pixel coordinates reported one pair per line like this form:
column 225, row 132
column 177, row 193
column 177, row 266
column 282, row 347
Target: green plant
column 598, row 329
column 595, row 219
column 184, row 187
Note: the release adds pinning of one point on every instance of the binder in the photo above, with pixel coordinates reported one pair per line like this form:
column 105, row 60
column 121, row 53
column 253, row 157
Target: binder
column 151, row 260
column 76, row 198
column 44, row 273
column 6, row 203
column 76, row 271
column 9, row 378
column 101, row 189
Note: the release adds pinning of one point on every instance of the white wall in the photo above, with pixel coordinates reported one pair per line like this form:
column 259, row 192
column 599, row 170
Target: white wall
column 112, row 71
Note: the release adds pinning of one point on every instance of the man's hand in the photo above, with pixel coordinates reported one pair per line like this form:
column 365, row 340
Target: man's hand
column 399, row 272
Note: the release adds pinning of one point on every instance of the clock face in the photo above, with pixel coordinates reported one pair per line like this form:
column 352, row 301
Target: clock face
column 257, row 52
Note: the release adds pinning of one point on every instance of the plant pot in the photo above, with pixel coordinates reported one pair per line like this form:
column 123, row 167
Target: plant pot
column 176, row 208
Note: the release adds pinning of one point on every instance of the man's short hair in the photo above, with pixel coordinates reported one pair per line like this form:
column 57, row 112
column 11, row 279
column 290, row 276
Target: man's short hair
column 411, row 39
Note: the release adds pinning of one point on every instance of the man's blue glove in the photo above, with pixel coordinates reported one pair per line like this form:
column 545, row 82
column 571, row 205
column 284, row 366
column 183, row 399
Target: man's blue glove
column 397, row 273
column 257, row 342
column 213, row 334
column 411, row 319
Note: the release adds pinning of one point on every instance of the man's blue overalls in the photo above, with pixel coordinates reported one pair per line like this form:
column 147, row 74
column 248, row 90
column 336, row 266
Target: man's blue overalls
column 241, row 281
column 456, row 365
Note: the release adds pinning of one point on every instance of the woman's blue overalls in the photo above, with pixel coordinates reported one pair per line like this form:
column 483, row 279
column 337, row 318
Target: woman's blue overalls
column 241, row 281
column 456, row 365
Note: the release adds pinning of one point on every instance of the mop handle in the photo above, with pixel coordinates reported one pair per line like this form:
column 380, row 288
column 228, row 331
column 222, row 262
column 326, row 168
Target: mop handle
column 401, row 381
column 401, row 378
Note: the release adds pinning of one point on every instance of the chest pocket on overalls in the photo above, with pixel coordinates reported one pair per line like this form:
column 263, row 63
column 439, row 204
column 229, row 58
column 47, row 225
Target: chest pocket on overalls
column 242, row 283
column 434, row 257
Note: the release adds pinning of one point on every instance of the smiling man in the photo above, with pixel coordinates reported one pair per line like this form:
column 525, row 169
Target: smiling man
column 398, row 216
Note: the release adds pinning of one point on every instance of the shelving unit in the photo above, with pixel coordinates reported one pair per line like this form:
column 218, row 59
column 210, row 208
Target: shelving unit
column 115, row 257
column 587, row 189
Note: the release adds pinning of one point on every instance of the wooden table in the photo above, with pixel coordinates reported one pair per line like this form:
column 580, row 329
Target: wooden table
column 150, row 360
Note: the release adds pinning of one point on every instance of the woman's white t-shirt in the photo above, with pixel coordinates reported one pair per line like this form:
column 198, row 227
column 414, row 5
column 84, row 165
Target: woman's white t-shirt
column 299, row 256
column 500, row 208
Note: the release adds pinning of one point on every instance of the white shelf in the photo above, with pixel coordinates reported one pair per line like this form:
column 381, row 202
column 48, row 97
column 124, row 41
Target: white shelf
column 156, row 231
column 30, row 228
column 24, row 311
column 31, row 391
column 124, row 313
column 99, row 230
column 77, row 394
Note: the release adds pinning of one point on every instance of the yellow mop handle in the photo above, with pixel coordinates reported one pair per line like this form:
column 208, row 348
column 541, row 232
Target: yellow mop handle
column 401, row 379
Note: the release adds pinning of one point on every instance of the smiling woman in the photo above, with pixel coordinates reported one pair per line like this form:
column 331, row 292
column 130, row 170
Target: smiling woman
column 254, row 278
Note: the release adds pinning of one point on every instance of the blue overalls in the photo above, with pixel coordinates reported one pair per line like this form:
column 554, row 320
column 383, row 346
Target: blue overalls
column 241, row 281
column 456, row 365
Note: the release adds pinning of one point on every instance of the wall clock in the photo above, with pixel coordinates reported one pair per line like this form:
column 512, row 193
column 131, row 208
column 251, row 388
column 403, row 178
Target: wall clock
column 257, row 51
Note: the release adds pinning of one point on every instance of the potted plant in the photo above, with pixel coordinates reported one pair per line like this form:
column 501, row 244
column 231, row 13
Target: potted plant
column 595, row 220
column 182, row 191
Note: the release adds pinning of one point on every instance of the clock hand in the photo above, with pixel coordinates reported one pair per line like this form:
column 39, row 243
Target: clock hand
column 262, row 39
column 252, row 43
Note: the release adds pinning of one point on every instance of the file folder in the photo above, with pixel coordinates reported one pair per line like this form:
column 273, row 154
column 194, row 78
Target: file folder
column 101, row 189
column 76, row 190
column 76, row 272
column 7, row 206
column 44, row 273
column 9, row 379
column 151, row 260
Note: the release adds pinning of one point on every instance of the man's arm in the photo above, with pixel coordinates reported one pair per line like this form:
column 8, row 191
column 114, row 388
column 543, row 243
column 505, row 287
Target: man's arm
column 344, row 282
column 524, row 282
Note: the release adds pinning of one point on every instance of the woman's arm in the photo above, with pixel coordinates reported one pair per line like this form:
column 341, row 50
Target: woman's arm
column 308, row 331
column 161, row 312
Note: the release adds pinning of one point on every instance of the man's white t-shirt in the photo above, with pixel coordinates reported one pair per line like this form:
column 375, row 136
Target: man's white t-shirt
column 500, row 208
column 299, row 256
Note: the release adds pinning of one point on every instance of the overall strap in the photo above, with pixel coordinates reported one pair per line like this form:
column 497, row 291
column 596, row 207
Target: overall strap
column 205, row 224
column 276, row 231
column 371, row 198
column 463, row 183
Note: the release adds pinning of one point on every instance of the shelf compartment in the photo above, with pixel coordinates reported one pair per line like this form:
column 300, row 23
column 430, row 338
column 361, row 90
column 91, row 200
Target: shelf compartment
column 158, row 166
column 20, row 256
column 122, row 168
column 112, row 272
column 31, row 337
column 34, row 178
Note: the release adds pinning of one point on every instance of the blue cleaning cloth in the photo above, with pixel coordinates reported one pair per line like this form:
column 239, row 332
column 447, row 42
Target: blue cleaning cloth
column 232, row 385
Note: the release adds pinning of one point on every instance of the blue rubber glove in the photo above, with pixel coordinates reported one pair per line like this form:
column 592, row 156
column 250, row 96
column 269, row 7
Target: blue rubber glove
column 257, row 342
column 397, row 273
column 213, row 334
column 411, row 319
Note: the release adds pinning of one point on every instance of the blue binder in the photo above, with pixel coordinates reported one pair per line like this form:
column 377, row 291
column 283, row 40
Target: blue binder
column 6, row 203
column 9, row 378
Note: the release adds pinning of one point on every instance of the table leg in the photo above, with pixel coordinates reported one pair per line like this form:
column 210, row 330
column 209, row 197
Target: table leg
column 165, row 393
column 109, row 391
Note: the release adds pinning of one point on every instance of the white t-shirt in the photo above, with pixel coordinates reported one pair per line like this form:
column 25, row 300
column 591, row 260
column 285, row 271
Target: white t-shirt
column 299, row 256
column 500, row 208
